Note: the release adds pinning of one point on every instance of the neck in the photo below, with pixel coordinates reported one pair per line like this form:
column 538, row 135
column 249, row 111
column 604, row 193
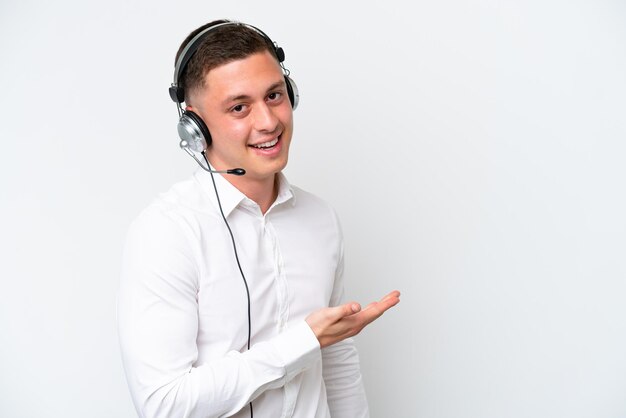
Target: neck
column 263, row 191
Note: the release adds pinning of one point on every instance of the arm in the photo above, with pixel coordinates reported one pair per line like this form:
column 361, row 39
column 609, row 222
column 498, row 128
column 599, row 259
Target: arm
column 341, row 369
column 158, row 325
column 333, row 327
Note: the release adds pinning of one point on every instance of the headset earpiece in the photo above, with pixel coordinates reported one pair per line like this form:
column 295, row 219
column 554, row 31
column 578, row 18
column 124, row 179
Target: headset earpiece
column 193, row 130
column 292, row 92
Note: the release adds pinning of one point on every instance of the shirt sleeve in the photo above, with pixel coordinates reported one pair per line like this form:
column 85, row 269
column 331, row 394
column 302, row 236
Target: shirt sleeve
column 340, row 364
column 157, row 314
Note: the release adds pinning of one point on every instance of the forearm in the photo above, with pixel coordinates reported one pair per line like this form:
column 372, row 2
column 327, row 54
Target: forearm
column 220, row 387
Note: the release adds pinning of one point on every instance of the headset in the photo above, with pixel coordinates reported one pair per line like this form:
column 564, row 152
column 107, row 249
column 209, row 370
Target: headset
column 192, row 130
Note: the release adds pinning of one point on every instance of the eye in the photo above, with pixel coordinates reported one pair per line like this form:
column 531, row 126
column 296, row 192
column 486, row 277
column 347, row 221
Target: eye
column 240, row 109
column 274, row 96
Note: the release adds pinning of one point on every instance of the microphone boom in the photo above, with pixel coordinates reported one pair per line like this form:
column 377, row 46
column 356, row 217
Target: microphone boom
column 234, row 171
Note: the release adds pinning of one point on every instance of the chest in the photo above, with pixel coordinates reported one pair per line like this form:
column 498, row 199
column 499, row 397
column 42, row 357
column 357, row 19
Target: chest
column 289, row 272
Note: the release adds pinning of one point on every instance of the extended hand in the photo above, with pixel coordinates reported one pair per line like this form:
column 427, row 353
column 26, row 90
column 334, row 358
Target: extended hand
column 335, row 324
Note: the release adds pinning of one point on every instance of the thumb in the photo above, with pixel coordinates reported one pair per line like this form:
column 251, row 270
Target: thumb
column 346, row 309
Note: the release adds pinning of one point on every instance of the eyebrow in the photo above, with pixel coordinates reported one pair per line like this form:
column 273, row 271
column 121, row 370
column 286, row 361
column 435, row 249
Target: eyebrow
column 238, row 97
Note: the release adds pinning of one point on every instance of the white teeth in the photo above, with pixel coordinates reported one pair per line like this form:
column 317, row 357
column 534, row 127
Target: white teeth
column 268, row 144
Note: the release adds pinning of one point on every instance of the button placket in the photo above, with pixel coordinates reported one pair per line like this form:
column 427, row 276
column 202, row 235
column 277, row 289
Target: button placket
column 279, row 277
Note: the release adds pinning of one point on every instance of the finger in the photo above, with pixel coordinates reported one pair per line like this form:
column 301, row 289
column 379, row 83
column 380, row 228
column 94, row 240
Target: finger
column 394, row 294
column 375, row 309
column 391, row 298
column 370, row 305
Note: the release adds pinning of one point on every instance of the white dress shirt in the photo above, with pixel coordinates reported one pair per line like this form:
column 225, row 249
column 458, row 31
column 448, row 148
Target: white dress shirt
column 183, row 316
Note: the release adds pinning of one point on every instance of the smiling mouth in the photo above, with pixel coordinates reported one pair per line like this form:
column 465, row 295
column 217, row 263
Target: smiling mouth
column 266, row 145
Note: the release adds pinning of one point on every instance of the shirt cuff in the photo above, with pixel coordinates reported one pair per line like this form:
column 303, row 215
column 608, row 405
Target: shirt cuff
column 298, row 348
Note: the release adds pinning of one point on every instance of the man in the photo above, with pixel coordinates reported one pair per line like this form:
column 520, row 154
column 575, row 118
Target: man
column 231, row 294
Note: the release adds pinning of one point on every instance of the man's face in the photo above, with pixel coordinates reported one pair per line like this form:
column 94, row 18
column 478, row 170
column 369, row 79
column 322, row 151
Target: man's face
column 245, row 106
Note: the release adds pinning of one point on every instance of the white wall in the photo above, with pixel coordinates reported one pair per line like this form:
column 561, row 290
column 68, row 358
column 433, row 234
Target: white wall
column 475, row 151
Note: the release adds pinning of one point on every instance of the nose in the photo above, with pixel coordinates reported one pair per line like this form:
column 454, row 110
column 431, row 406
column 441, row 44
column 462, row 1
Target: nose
column 264, row 118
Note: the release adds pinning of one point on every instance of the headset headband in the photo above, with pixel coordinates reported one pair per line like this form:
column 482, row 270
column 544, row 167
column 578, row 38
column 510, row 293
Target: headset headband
column 176, row 92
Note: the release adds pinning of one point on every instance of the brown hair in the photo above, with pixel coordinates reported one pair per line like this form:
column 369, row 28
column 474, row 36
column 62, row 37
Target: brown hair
column 220, row 46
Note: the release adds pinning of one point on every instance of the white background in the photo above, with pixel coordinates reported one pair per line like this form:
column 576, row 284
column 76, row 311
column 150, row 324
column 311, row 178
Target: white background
column 474, row 151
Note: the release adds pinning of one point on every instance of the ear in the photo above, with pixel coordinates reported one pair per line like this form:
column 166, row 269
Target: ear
column 190, row 105
column 192, row 108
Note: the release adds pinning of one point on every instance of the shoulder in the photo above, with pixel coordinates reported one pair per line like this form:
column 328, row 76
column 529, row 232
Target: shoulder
column 308, row 200
column 308, row 197
column 175, row 213
column 315, row 209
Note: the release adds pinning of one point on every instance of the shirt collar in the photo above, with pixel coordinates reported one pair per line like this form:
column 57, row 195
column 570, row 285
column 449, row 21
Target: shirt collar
column 230, row 197
column 285, row 192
